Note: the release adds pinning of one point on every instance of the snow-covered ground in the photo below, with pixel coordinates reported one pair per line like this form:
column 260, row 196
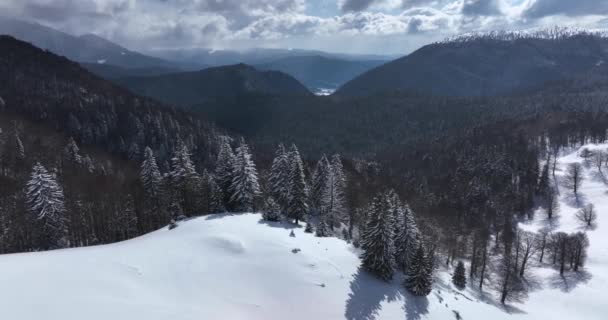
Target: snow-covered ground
column 237, row 267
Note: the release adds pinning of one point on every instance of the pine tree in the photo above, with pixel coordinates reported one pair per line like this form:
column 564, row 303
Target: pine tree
column 279, row 177
column 407, row 241
column 44, row 198
column 224, row 169
column 128, row 218
column 333, row 199
column 214, row 194
column 322, row 228
column 377, row 239
column 245, row 186
column 184, row 180
column 419, row 274
column 149, row 175
column 319, row 184
column 309, row 228
column 296, row 206
column 71, row 153
column 272, row 211
column 459, row 278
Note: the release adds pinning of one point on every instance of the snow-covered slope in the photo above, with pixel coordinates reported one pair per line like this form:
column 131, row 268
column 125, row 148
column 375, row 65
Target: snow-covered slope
column 237, row 267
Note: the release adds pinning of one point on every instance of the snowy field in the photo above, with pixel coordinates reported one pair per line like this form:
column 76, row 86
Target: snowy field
column 237, row 267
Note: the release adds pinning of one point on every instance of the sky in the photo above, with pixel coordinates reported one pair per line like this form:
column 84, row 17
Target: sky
column 349, row 26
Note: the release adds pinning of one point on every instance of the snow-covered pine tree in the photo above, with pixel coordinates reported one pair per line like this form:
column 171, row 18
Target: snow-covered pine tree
column 19, row 151
column 272, row 210
column 224, row 169
column 322, row 228
column 308, row 228
column 128, row 218
column 319, row 184
column 184, row 180
column 214, row 194
column 377, row 239
column 419, row 279
column 71, row 153
column 459, row 278
column 279, row 177
column 245, row 187
column 333, row 197
column 408, row 240
column 44, row 198
column 297, row 206
column 149, row 174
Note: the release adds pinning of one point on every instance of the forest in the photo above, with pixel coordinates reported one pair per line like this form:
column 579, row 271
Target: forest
column 419, row 182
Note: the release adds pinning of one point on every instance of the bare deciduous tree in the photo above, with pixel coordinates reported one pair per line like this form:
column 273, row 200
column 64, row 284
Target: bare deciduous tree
column 587, row 215
column 574, row 177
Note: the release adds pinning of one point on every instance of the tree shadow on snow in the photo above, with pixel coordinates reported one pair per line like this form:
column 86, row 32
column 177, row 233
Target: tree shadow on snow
column 366, row 296
column 569, row 280
column 214, row 216
column 575, row 201
column 415, row 307
column 475, row 294
column 598, row 176
column 280, row 224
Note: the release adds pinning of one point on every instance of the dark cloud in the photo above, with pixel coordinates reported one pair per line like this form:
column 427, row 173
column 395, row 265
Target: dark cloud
column 61, row 10
column 356, row 5
column 543, row 8
column 480, row 8
column 415, row 3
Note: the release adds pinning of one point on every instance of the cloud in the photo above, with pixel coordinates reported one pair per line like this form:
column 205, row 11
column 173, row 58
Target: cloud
column 58, row 10
column 480, row 8
column 356, row 5
column 144, row 24
column 543, row 8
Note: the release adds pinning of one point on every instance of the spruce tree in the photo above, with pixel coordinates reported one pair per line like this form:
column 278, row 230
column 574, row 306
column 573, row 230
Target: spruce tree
column 224, row 169
column 459, row 278
column 419, row 274
column 149, row 175
column 319, row 184
column 214, row 194
column 377, row 239
column 245, row 186
column 71, row 154
column 407, row 241
column 272, row 210
column 333, row 194
column 279, row 177
column 297, row 206
column 44, row 198
column 184, row 180
column 322, row 228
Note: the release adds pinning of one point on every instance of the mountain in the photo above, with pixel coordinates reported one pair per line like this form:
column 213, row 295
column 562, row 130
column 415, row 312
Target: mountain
column 485, row 65
column 45, row 87
column 253, row 56
column 87, row 48
column 111, row 72
column 319, row 73
column 191, row 88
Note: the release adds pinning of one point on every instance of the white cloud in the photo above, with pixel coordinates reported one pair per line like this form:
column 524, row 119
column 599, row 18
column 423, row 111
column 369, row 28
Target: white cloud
column 363, row 25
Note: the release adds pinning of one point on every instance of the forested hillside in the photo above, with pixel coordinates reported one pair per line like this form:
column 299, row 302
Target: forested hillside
column 190, row 88
column 487, row 64
column 50, row 106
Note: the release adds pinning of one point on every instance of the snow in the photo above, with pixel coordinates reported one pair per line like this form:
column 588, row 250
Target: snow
column 324, row 91
column 101, row 61
column 238, row 267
